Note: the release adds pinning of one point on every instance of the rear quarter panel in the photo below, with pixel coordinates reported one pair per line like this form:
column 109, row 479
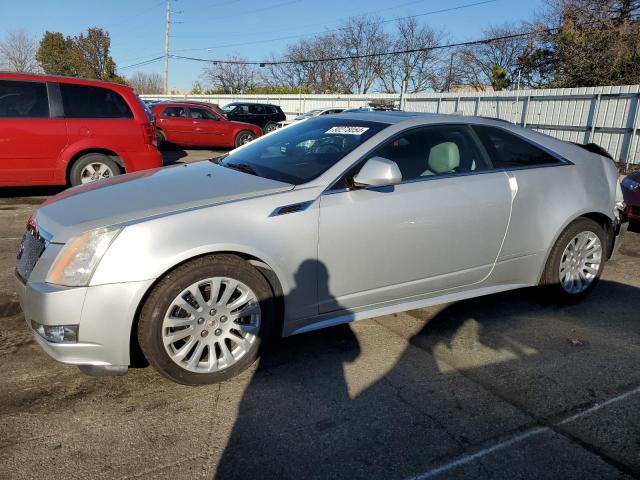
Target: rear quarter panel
column 550, row 198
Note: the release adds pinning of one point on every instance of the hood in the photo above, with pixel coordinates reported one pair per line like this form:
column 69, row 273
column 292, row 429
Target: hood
column 139, row 195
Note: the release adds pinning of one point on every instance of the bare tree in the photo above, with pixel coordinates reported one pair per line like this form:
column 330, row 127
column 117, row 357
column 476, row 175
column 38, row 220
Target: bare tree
column 231, row 77
column 146, row 82
column 318, row 76
column 363, row 37
column 420, row 70
column 477, row 65
column 18, row 52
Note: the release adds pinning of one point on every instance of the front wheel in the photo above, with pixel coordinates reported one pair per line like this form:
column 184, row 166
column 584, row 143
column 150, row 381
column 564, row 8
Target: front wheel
column 244, row 137
column 205, row 321
column 576, row 261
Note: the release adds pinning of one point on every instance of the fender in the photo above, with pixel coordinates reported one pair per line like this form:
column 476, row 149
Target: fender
column 88, row 145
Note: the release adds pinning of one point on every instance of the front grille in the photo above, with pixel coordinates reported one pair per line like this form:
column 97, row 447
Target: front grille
column 31, row 247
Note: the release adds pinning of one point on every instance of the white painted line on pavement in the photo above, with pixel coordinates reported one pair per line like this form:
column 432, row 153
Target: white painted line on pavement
column 481, row 453
column 598, row 406
column 520, row 437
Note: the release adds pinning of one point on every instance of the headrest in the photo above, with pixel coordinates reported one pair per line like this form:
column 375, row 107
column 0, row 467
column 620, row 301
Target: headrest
column 444, row 157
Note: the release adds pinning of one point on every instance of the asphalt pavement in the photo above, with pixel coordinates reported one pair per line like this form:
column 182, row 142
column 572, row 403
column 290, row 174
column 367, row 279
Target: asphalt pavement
column 502, row 387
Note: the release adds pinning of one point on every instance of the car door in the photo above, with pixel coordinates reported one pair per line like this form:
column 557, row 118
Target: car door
column 241, row 114
column 177, row 125
column 210, row 131
column 441, row 228
column 258, row 115
column 30, row 141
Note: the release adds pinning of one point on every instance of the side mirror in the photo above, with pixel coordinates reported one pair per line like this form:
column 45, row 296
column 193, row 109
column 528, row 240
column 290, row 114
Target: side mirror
column 378, row 172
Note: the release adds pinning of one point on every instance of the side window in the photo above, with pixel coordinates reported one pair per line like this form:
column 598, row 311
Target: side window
column 202, row 114
column 242, row 109
column 256, row 109
column 432, row 151
column 23, row 99
column 271, row 110
column 83, row 101
column 507, row 150
column 175, row 112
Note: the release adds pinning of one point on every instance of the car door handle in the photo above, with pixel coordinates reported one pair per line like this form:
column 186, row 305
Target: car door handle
column 196, row 122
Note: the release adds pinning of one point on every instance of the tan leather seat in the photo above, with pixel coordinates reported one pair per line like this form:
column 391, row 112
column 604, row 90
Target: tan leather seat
column 443, row 158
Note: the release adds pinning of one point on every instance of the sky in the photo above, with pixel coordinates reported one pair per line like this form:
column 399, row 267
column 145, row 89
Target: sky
column 253, row 29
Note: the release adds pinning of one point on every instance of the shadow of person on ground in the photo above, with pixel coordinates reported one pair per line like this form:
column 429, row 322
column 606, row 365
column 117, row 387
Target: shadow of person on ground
column 322, row 404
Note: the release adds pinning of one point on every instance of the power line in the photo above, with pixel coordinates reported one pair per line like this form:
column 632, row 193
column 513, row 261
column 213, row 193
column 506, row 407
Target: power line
column 307, row 25
column 142, row 64
column 432, row 12
column 382, row 54
column 369, row 55
column 424, row 14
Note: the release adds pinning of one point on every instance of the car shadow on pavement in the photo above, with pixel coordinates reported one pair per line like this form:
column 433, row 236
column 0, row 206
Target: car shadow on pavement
column 21, row 194
column 327, row 404
column 172, row 155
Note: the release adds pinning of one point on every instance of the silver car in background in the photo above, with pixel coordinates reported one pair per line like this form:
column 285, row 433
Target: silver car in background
column 331, row 220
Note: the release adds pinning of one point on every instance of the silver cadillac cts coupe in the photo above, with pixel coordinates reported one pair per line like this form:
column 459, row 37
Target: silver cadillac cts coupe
column 339, row 218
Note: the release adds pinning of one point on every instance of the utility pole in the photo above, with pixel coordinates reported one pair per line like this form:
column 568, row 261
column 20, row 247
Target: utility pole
column 166, row 47
column 450, row 77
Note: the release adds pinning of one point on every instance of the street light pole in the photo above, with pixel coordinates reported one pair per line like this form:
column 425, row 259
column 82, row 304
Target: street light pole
column 166, row 47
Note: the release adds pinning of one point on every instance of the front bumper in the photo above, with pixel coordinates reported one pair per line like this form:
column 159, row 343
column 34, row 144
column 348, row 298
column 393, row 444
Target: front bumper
column 104, row 315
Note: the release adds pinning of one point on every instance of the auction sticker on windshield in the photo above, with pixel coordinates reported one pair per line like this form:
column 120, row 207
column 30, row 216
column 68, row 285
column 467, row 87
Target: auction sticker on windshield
column 348, row 130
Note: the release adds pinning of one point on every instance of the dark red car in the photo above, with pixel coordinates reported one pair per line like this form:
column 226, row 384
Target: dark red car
column 631, row 194
column 191, row 124
column 58, row 130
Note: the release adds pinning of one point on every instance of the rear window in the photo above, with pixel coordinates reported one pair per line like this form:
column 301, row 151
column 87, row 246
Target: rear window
column 83, row 101
column 507, row 150
column 178, row 112
column 23, row 99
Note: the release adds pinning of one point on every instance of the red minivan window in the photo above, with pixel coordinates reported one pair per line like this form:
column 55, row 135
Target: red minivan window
column 82, row 101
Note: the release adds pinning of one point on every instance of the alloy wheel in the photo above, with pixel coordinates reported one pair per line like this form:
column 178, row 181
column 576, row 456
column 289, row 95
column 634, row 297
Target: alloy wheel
column 211, row 324
column 95, row 171
column 580, row 262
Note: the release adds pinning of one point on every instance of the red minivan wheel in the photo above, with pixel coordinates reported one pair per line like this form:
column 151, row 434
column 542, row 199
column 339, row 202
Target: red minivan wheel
column 92, row 167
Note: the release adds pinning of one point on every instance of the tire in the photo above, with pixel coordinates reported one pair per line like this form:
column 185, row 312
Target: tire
column 583, row 270
column 162, row 139
column 198, row 358
column 245, row 136
column 92, row 167
column 269, row 127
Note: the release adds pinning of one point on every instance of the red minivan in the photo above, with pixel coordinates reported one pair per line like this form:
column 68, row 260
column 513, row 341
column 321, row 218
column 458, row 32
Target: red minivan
column 68, row 131
column 196, row 124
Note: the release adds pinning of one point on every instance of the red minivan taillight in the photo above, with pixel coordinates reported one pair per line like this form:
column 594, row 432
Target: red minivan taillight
column 149, row 133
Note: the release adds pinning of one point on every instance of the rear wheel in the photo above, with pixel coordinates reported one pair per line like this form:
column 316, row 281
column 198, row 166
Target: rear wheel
column 576, row 261
column 269, row 127
column 205, row 321
column 161, row 137
column 244, row 137
column 92, row 167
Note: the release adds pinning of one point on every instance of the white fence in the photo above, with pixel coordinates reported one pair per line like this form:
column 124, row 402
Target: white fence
column 608, row 116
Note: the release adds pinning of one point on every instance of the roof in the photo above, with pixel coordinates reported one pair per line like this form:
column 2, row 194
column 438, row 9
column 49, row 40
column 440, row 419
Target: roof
column 391, row 118
column 33, row 77
column 253, row 103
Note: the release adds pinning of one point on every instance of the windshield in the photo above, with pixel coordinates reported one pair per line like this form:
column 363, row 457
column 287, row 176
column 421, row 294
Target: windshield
column 229, row 108
column 299, row 153
column 309, row 114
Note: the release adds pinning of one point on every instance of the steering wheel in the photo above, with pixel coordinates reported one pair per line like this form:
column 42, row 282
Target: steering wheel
column 327, row 148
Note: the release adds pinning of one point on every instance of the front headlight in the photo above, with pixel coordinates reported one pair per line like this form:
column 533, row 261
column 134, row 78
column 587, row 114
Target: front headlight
column 79, row 258
column 631, row 184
